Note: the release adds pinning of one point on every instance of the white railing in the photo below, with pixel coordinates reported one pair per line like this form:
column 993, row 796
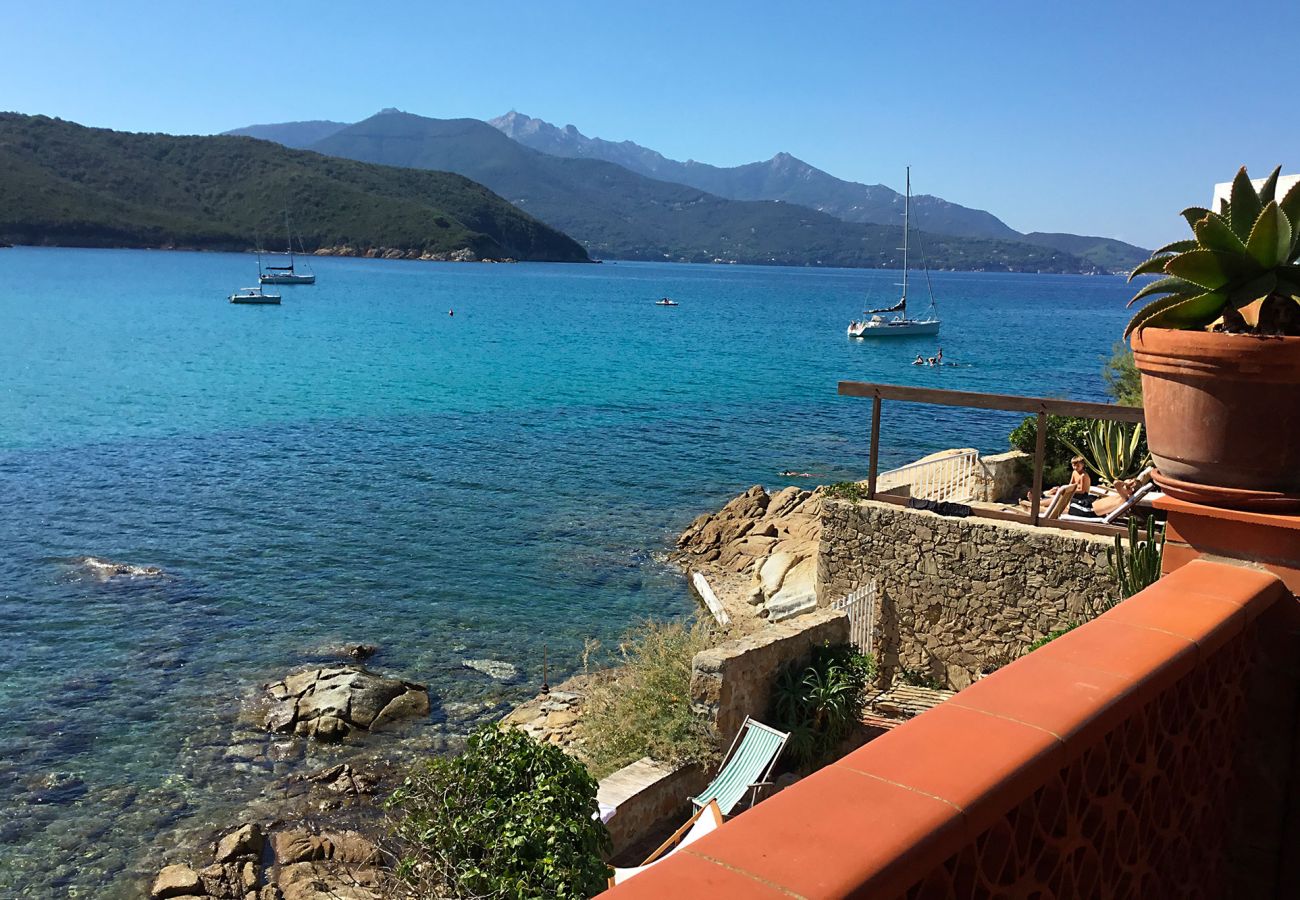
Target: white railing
column 952, row 478
column 861, row 608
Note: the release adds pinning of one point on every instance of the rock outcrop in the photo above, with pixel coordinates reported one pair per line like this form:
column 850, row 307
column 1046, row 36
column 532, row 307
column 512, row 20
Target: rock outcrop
column 555, row 717
column 329, row 703
column 303, row 864
column 759, row 552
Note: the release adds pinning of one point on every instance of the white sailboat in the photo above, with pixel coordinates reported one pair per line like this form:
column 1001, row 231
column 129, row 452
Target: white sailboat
column 876, row 324
column 286, row 274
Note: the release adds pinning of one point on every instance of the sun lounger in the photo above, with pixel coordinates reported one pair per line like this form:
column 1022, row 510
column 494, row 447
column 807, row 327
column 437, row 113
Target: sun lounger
column 746, row 767
column 1146, row 487
column 707, row 818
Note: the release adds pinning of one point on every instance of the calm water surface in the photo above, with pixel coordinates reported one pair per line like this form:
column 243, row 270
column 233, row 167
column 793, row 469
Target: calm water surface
column 357, row 465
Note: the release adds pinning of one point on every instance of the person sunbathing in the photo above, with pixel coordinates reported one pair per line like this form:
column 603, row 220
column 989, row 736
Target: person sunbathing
column 1122, row 491
column 1080, row 480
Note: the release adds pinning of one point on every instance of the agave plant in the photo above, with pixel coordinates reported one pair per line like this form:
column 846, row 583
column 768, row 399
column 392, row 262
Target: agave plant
column 1113, row 450
column 1240, row 274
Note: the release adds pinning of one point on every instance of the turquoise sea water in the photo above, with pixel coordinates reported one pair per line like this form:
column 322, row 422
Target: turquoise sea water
column 358, row 465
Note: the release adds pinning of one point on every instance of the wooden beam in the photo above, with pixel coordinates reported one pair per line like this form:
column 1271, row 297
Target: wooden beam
column 1046, row 405
column 1040, row 451
column 875, row 448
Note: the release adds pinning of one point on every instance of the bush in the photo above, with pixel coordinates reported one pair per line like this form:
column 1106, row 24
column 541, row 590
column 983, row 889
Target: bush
column 508, row 818
column 847, row 490
column 1123, row 381
column 1057, row 453
column 820, row 702
column 644, row 708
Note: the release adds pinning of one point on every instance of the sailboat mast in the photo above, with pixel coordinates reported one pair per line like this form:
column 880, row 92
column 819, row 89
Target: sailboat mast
column 288, row 236
column 907, row 203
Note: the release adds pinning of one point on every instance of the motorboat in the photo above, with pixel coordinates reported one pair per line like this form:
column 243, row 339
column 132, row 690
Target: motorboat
column 255, row 296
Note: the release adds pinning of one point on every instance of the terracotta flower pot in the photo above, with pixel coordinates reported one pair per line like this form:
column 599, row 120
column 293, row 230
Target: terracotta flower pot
column 1223, row 416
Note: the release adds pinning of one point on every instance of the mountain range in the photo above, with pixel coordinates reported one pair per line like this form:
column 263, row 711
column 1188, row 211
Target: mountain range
column 65, row 184
column 784, row 177
column 619, row 213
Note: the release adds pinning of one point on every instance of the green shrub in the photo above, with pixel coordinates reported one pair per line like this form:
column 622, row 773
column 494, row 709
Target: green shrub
column 1052, row 636
column 1123, row 381
column 508, row 818
column 644, row 708
column 847, row 490
column 1057, row 452
column 819, row 702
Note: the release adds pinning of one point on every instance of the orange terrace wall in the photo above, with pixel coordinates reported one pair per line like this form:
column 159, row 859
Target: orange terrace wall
column 1149, row 753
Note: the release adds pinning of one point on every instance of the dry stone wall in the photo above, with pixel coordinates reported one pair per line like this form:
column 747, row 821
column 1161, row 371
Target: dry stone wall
column 735, row 679
column 956, row 597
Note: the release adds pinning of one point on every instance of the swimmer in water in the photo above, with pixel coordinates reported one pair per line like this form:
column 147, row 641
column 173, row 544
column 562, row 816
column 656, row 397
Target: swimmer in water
column 918, row 361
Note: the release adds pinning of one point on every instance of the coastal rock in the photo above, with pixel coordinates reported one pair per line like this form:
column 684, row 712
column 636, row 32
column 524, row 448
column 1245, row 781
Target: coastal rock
column 331, row 702
column 106, row 568
column 243, row 842
column 749, row 548
column 493, row 668
column 176, row 881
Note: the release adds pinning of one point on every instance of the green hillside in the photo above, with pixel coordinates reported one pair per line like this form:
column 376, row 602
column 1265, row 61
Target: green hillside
column 620, row 214
column 64, row 184
column 1106, row 253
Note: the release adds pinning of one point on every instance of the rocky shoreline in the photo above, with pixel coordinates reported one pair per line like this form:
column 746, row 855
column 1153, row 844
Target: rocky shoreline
column 323, row 834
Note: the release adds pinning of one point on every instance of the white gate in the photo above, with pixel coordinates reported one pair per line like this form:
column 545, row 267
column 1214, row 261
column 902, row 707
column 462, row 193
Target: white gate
column 861, row 608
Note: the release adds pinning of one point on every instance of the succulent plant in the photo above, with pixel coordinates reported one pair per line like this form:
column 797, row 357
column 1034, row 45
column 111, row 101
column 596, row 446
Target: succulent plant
column 1113, row 450
column 1240, row 274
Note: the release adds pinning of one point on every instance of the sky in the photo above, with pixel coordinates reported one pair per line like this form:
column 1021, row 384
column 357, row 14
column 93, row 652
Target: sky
column 1095, row 118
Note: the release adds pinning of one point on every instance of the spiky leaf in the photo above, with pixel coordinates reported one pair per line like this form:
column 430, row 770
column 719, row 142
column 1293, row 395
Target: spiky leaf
column 1178, row 311
column 1270, row 239
column 1153, row 265
column 1249, row 298
column 1212, row 269
column 1165, row 286
column 1290, row 207
column 1194, row 214
column 1245, row 205
column 1270, row 187
column 1214, row 233
column 1176, row 247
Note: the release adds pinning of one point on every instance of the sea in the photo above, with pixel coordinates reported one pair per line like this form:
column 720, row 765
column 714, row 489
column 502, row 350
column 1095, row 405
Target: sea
column 449, row 461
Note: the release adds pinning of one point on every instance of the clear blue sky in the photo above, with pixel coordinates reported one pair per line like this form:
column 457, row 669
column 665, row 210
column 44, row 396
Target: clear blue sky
column 1098, row 117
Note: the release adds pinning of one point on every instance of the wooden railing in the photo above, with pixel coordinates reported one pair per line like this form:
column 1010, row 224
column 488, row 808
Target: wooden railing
column 1042, row 407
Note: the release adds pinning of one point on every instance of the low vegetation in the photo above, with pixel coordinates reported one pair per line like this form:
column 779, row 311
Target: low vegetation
column 1135, row 566
column 846, row 490
column 1123, row 380
column 644, row 707
column 508, row 818
column 820, row 702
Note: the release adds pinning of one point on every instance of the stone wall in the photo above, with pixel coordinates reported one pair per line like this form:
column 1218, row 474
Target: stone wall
column 734, row 679
column 957, row 597
column 647, row 797
column 1001, row 477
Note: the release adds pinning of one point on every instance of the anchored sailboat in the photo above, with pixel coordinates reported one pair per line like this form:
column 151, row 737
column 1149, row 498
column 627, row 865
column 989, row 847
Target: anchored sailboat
column 875, row 325
column 286, row 274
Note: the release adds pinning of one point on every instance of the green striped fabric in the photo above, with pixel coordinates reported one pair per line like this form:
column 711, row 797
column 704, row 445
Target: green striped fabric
column 758, row 748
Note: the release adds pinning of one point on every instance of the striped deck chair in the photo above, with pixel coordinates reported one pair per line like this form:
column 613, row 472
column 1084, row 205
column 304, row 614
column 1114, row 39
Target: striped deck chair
column 746, row 767
column 707, row 818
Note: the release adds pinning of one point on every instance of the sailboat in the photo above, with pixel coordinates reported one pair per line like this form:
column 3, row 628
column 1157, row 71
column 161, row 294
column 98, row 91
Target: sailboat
column 255, row 296
column 286, row 274
column 875, row 324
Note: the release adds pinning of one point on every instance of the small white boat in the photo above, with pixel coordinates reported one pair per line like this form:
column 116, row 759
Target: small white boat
column 667, row 301
column 255, row 296
column 875, row 325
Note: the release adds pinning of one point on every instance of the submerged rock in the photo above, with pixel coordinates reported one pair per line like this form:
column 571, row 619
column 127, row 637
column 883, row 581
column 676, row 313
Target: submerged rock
column 104, row 568
column 177, row 881
column 329, row 703
column 493, row 668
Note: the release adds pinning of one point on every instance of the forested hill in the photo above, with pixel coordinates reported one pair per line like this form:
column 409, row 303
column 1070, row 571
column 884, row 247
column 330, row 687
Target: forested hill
column 617, row 213
column 65, row 184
